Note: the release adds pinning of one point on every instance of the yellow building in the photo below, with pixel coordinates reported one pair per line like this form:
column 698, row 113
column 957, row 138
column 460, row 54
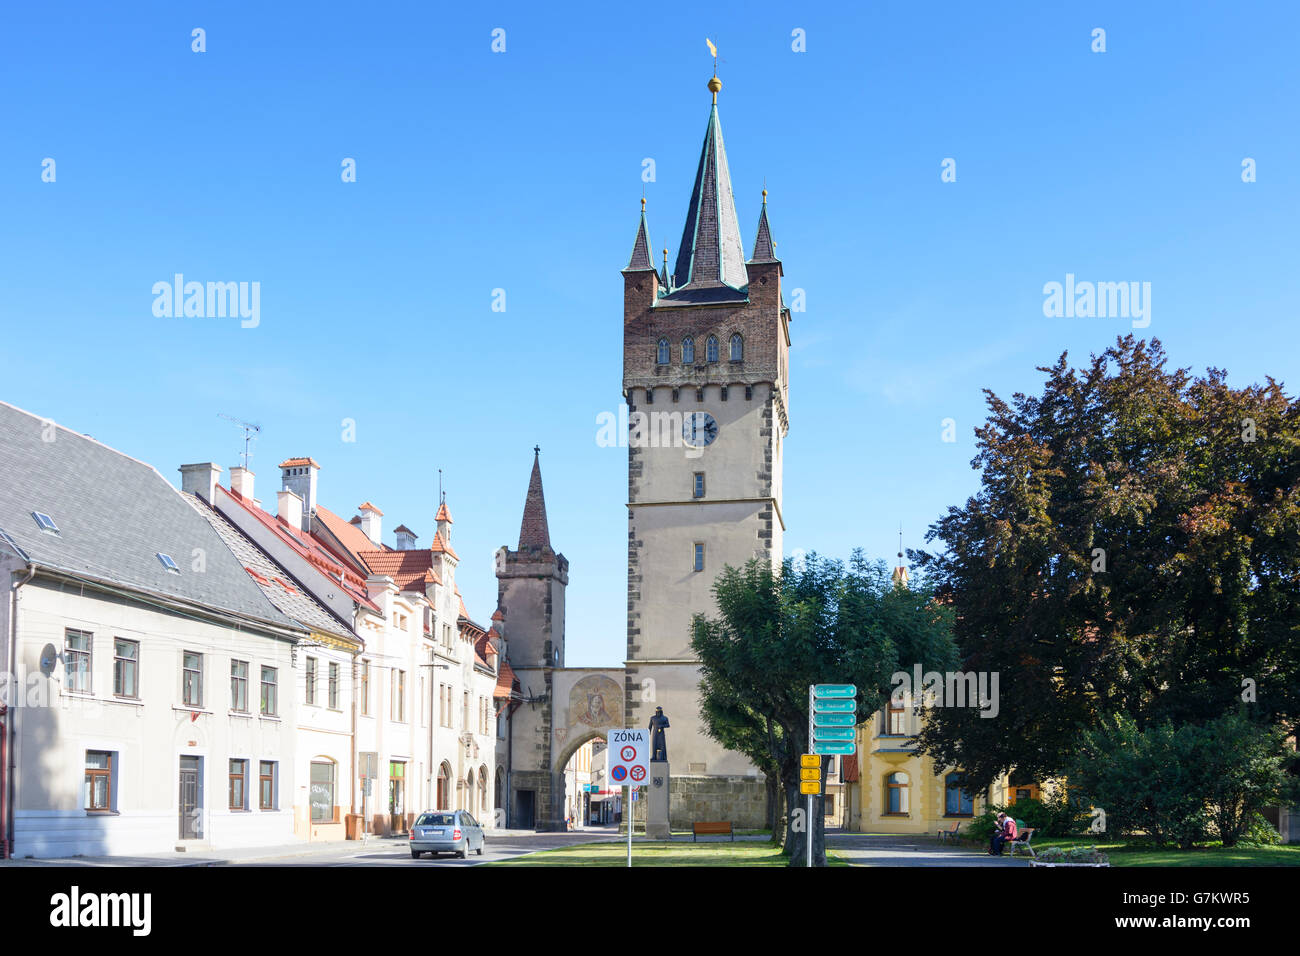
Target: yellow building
column 887, row 787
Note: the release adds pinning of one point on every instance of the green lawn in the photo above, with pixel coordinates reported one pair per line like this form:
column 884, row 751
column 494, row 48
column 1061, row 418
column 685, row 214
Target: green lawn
column 660, row 853
column 1134, row 854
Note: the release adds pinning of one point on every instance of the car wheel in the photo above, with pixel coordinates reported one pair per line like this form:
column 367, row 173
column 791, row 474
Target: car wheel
column 415, row 854
column 480, row 849
column 463, row 851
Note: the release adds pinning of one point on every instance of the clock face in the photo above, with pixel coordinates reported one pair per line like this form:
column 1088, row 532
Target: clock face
column 699, row 429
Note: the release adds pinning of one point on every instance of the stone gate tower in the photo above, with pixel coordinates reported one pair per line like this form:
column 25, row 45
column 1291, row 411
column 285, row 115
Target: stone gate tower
column 705, row 359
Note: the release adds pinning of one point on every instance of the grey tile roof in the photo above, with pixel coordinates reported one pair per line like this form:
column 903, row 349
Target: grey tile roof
column 114, row 515
column 711, row 251
column 640, row 260
column 764, row 248
column 293, row 600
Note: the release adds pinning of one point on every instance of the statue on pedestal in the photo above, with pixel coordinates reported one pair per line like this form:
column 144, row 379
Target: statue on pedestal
column 658, row 743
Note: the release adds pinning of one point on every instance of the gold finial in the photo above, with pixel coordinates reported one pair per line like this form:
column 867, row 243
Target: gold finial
column 764, row 195
column 715, row 84
column 643, row 203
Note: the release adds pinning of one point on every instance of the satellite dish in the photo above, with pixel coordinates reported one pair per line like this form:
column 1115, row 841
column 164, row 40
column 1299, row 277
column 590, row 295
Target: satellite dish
column 49, row 656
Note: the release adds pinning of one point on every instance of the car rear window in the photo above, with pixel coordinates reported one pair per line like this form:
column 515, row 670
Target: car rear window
column 436, row 820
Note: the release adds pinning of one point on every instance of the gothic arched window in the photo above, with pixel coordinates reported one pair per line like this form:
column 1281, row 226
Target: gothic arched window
column 663, row 352
column 688, row 351
column 737, row 348
column 711, row 349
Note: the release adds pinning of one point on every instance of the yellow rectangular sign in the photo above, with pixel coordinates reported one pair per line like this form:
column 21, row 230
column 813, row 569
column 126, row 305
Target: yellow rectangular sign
column 810, row 773
column 810, row 760
column 810, row 786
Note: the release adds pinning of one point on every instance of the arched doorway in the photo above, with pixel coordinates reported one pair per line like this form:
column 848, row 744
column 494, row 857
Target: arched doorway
column 575, row 779
column 444, row 785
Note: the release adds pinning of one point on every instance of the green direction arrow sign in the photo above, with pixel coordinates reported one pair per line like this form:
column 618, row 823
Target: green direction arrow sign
column 832, row 733
column 831, row 747
column 849, row 706
column 835, row 690
column 834, row 720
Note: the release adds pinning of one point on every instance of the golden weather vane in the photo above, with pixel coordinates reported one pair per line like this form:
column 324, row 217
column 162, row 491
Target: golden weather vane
column 714, row 84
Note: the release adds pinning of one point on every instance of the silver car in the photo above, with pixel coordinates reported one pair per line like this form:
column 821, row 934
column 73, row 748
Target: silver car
column 446, row 831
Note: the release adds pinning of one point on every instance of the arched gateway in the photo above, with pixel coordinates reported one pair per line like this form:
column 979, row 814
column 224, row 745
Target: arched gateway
column 554, row 709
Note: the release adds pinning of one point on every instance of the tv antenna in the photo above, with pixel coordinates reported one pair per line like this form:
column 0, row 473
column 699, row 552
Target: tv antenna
column 251, row 432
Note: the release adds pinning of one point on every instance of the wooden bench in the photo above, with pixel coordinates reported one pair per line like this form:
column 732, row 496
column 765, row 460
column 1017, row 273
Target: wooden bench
column 1023, row 838
column 714, row 828
column 949, row 833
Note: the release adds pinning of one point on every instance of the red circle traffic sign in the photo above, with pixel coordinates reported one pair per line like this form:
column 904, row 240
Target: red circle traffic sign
column 638, row 772
column 619, row 772
column 628, row 753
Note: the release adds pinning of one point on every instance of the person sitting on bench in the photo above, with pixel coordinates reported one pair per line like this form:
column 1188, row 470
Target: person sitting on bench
column 1004, row 833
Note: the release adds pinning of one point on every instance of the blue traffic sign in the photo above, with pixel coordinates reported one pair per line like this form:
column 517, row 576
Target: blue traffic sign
column 833, row 733
column 849, row 706
column 835, row 690
column 834, row 747
column 834, row 720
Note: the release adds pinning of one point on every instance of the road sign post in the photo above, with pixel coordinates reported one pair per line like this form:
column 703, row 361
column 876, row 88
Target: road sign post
column 832, row 728
column 629, row 765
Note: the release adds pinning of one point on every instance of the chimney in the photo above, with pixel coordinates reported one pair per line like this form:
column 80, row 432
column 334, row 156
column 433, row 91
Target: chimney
column 299, row 476
column 241, row 483
column 200, row 479
column 405, row 538
column 371, row 523
column 289, row 508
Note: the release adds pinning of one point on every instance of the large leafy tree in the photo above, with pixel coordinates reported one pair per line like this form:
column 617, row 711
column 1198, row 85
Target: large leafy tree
column 812, row 621
column 1134, row 548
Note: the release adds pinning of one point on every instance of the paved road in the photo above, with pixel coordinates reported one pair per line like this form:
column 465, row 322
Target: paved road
column 886, row 849
column 395, row 852
column 377, row 851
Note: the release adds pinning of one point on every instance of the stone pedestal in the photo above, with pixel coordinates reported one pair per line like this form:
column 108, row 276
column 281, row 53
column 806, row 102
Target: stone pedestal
column 657, row 827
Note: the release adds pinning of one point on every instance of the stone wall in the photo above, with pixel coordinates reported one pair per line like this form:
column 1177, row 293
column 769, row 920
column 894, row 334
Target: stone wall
column 742, row 800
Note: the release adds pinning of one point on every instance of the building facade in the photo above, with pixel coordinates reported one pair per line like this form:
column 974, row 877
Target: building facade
column 706, row 381
column 149, row 702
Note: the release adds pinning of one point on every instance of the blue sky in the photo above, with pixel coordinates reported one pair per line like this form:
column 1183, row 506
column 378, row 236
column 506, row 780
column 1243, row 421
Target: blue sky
column 522, row 171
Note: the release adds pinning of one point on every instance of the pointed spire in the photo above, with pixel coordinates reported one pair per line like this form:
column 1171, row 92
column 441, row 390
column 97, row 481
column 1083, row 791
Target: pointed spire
column 900, row 572
column 711, row 252
column 663, row 274
column 533, row 532
column 764, row 247
column 640, row 260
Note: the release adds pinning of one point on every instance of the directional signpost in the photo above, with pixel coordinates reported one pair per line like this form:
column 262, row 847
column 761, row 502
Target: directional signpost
column 832, row 725
column 629, row 767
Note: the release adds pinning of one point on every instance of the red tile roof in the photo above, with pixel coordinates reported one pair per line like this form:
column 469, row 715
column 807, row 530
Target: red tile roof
column 440, row 545
column 314, row 551
column 293, row 462
column 505, row 681
column 443, row 514
column 367, row 506
column 351, row 538
column 409, row 570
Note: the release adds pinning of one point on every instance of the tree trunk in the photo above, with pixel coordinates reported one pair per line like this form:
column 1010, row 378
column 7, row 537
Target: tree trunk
column 773, row 807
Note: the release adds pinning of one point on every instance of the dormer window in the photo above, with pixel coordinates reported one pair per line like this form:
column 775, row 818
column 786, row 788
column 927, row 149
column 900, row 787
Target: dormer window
column 711, row 349
column 45, row 522
column 168, row 563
